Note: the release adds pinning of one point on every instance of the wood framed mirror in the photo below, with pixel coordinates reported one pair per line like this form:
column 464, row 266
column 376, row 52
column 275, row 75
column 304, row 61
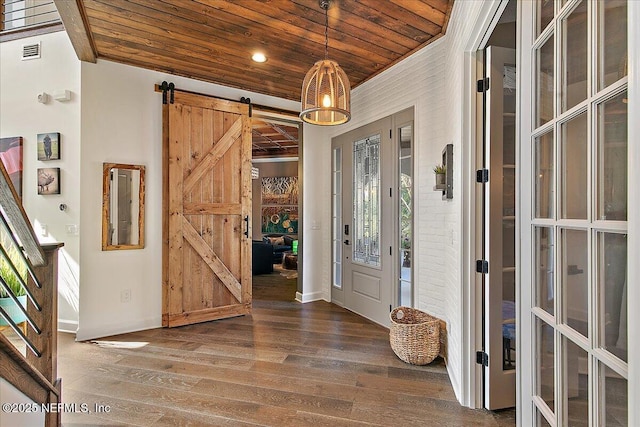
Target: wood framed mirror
column 122, row 206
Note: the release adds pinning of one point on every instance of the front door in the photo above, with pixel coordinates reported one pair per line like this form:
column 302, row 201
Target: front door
column 207, row 252
column 362, row 221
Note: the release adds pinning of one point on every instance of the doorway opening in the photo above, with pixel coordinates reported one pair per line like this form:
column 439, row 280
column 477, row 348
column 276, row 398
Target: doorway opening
column 276, row 205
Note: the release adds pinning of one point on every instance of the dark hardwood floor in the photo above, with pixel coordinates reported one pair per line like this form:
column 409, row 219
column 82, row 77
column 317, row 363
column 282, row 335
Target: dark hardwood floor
column 288, row 364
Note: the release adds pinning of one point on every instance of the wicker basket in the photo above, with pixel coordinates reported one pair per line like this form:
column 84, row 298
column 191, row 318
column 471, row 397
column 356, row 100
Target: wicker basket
column 414, row 335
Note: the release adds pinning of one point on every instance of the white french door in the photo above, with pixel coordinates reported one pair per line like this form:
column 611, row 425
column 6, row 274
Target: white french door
column 573, row 221
column 499, row 230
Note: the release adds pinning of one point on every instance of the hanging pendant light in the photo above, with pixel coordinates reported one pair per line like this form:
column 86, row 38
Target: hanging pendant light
column 326, row 91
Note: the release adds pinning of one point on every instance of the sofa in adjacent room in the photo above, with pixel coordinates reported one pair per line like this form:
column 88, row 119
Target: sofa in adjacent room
column 262, row 254
column 281, row 244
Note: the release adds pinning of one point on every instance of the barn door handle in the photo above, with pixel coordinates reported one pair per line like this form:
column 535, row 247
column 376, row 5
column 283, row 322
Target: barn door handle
column 246, row 230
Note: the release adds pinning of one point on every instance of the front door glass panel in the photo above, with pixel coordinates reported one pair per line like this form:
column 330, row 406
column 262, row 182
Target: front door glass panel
column 366, row 203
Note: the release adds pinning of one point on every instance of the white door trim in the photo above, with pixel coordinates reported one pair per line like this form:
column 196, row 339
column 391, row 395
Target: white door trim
column 524, row 78
column 633, row 207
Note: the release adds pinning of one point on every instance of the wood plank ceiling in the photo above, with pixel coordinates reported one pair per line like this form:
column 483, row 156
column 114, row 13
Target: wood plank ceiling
column 274, row 139
column 213, row 40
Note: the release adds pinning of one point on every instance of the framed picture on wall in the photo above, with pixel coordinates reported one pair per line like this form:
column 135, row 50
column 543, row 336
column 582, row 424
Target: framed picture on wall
column 11, row 155
column 49, row 146
column 48, row 181
column 280, row 204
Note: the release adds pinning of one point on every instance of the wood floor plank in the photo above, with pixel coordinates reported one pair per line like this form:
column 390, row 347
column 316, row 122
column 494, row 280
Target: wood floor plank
column 337, row 365
column 273, row 397
column 184, row 400
column 281, row 381
column 286, row 365
column 187, row 419
column 119, row 410
column 306, row 372
column 438, row 390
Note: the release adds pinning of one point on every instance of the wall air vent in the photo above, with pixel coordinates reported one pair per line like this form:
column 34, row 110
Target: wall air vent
column 31, row 51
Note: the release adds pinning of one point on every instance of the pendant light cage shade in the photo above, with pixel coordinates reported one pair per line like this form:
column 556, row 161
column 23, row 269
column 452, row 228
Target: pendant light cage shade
column 326, row 95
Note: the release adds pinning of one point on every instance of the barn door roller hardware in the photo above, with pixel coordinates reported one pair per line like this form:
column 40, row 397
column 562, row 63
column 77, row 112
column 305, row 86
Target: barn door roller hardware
column 248, row 102
column 164, row 87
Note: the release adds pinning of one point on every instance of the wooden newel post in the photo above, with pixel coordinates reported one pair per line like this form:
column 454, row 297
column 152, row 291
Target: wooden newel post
column 47, row 319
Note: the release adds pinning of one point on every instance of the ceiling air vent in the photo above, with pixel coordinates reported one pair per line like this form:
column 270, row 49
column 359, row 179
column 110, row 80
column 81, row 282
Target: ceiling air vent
column 30, row 51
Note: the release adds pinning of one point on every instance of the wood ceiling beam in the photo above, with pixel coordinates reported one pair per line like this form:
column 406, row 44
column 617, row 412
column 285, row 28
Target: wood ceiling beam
column 74, row 18
column 283, row 132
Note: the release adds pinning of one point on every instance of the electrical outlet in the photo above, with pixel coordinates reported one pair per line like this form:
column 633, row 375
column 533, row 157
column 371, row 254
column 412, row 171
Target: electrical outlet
column 43, row 230
column 125, row 295
column 72, row 229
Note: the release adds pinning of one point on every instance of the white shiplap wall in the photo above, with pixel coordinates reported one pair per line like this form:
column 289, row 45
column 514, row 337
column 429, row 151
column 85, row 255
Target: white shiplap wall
column 431, row 80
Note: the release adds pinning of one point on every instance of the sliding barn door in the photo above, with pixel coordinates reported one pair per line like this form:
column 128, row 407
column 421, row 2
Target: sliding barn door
column 207, row 254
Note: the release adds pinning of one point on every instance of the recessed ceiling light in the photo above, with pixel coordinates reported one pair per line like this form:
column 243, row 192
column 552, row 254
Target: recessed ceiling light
column 259, row 57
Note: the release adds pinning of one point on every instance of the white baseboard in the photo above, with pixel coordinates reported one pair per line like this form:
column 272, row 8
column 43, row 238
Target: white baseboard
column 311, row 296
column 84, row 333
column 457, row 390
column 65, row 325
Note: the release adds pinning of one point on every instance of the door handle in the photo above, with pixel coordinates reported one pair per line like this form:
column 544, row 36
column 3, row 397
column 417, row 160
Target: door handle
column 246, row 230
column 346, row 242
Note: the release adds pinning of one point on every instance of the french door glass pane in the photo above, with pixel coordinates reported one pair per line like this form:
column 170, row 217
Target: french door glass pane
column 612, row 284
column 574, row 57
column 509, row 191
column 544, row 15
column 544, row 82
column 576, row 383
column 366, row 201
column 574, row 282
column 544, row 269
column 545, row 374
column 541, row 421
column 612, row 159
column 613, row 42
column 613, row 398
column 508, row 243
column 573, row 187
column 509, row 115
column 544, row 176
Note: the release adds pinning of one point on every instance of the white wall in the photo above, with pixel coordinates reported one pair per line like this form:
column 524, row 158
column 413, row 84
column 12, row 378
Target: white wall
column 10, row 394
column 22, row 115
column 432, row 80
column 122, row 122
column 316, row 214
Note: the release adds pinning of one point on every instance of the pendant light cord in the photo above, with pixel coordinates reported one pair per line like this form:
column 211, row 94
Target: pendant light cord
column 326, row 30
